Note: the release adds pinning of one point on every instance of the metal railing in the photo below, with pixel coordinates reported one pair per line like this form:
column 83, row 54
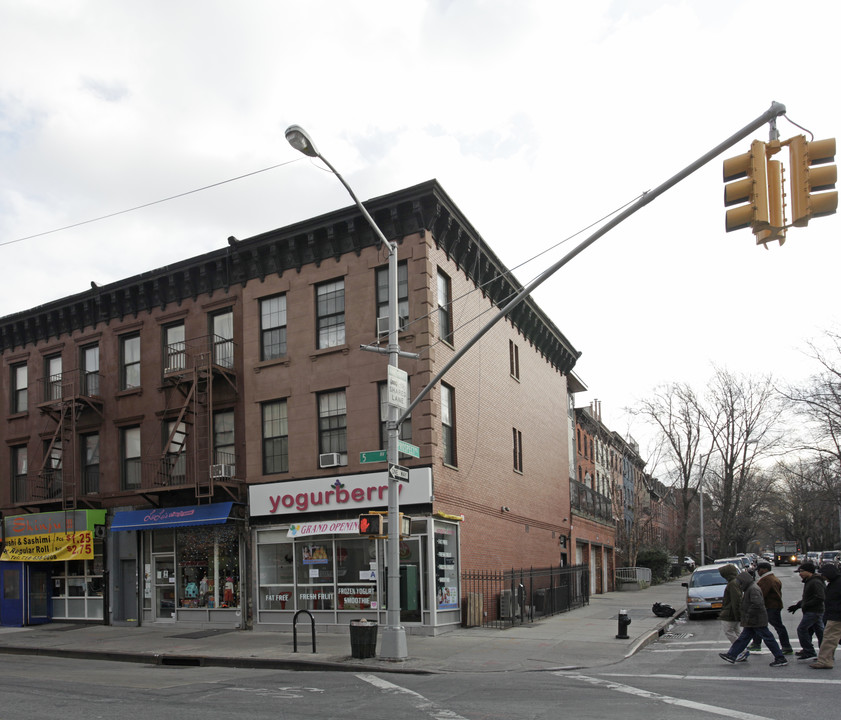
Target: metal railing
column 505, row 598
column 633, row 575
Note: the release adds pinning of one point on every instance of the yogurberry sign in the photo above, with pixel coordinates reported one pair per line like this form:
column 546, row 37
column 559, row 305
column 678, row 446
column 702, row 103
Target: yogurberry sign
column 348, row 492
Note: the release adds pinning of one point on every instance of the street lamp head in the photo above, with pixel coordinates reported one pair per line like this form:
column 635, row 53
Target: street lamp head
column 298, row 139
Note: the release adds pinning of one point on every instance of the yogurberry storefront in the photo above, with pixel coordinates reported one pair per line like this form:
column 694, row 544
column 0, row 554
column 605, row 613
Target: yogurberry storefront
column 309, row 555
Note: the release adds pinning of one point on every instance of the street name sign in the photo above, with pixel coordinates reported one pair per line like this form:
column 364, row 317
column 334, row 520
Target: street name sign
column 398, row 387
column 408, row 448
column 372, row 456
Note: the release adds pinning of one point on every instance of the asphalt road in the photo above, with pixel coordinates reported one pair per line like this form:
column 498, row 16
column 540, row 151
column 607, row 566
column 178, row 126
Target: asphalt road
column 680, row 676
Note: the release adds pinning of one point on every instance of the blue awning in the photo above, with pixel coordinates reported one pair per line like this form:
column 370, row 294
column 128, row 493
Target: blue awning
column 214, row 514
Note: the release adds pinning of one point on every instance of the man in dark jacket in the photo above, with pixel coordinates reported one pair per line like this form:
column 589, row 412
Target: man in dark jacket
column 832, row 618
column 754, row 623
column 731, row 606
column 812, row 605
column 772, row 592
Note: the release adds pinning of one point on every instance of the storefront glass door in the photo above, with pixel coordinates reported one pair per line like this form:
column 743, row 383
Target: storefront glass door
column 163, row 579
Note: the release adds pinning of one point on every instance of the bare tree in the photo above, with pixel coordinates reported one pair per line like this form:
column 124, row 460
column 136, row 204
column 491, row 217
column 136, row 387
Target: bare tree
column 675, row 412
column 740, row 415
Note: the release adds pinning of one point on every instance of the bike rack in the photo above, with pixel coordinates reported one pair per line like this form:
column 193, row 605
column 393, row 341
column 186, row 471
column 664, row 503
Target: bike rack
column 295, row 629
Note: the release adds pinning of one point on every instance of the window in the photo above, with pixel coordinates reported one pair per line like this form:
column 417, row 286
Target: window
column 51, row 473
column 448, row 425
column 275, row 437
column 330, row 314
column 405, row 428
column 332, row 422
column 20, row 388
column 273, row 327
column 518, row 450
column 129, row 362
column 175, row 348
column 130, row 451
column 402, row 294
column 52, row 371
column 514, row 359
column 90, row 370
column 224, row 451
column 90, row 466
column 20, row 469
column 222, row 328
column 445, row 326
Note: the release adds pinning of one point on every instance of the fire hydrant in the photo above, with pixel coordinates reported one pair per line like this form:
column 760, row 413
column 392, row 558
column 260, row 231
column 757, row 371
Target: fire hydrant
column 624, row 621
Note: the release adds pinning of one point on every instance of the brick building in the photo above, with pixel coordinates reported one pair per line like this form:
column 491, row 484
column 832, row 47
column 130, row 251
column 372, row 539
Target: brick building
column 184, row 446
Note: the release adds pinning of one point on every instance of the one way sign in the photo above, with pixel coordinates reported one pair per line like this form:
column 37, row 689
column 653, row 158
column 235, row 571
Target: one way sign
column 398, row 472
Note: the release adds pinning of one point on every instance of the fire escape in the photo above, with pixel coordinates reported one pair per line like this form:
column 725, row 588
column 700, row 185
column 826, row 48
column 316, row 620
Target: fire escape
column 67, row 396
column 197, row 374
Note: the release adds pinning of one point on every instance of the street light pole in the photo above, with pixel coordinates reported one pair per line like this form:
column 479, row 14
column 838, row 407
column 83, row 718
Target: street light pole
column 701, row 517
column 393, row 645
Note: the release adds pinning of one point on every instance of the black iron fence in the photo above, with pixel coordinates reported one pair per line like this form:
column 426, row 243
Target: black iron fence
column 505, row 598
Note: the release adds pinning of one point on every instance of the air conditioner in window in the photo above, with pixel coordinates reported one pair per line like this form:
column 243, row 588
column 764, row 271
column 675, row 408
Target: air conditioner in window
column 326, row 460
column 221, row 471
column 382, row 324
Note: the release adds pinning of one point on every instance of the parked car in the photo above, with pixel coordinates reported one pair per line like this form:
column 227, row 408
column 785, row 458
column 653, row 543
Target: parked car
column 689, row 563
column 704, row 592
column 814, row 556
column 741, row 562
column 829, row 556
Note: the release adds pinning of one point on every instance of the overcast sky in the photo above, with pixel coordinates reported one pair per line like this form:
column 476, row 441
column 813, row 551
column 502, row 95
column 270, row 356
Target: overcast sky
column 537, row 118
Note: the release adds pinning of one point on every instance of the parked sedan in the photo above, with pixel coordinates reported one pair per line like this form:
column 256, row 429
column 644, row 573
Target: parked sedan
column 704, row 591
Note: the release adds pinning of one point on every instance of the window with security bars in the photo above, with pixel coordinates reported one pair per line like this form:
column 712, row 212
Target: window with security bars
column 330, row 314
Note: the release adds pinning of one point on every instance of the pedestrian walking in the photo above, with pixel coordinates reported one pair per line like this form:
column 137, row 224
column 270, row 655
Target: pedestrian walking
column 832, row 618
column 754, row 623
column 731, row 606
column 812, row 605
column 772, row 593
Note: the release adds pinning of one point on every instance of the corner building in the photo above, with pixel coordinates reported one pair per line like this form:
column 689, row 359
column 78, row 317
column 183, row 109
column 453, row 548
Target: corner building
column 222, row 405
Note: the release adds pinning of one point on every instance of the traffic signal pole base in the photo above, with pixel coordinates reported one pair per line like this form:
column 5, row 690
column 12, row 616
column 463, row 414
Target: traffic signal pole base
column 393, row 644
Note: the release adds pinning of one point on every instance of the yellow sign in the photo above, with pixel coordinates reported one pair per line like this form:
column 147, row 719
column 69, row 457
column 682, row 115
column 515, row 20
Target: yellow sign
column 47, row 547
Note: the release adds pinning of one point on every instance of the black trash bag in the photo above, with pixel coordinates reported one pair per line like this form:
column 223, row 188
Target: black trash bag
column 662, row 610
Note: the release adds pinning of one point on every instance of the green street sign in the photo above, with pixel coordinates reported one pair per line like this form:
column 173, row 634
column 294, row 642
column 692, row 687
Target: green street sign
column 408, row 449
column 372, row 456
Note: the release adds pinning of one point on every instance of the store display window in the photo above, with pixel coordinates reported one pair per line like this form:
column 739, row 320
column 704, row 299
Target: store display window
column 78, row 587
column 207, row 558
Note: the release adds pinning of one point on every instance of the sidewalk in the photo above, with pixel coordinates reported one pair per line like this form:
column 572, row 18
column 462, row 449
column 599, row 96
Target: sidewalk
column 581, row 638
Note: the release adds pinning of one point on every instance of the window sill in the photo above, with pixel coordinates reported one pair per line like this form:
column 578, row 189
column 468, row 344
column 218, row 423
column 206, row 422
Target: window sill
column 128, row 392
column 448, row 465
column 284, row 361
column 17, row 415
column 343, row 349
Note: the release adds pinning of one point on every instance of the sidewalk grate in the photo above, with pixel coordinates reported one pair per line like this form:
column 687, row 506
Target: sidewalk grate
column 677, row 636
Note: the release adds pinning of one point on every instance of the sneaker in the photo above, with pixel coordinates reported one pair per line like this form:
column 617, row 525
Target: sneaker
column 743, row 656
column 779, row 662
column 726, row 657
column 755, row 648
column 788, row 651
column 805, row 654
column 820, row 666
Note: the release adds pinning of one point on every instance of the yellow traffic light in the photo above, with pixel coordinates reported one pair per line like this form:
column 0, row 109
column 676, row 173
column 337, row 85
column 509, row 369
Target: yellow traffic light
column 807, row 180
column 747, row 176
column 776, row 206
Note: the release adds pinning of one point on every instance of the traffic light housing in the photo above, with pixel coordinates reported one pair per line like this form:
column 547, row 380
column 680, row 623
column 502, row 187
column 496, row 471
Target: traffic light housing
column 747, row 178
column 807, row 180
column 776, row 205
column 371, row 524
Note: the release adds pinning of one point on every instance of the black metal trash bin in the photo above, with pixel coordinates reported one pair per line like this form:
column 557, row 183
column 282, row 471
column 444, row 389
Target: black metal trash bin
column 363, row 639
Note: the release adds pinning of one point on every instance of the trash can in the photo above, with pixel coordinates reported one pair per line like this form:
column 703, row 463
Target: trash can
column 363, row 639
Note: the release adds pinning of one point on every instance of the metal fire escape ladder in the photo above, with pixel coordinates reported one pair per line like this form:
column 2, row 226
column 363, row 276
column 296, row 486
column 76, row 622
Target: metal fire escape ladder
column 203, row 428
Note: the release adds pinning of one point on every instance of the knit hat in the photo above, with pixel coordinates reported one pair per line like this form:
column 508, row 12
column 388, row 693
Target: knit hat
column 808, row 566
column 763, row 565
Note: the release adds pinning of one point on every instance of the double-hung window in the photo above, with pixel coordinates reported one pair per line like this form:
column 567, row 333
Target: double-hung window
column 175, row 348
column 275, row 437
column 402, row 295
column 330, row 314
column 445, row 321
column 90, row 460
column 518, row 449
column 20, row 470
column 53, row 373
column 332, row 422
column 273, row 327
column 448, row 425
column 129, row 362
column 130, row 451
column 20, row 388
column 224, row 449
column 90, row 370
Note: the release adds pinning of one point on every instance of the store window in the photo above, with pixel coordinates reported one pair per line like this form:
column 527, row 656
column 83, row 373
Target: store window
column 78, row 587
column 446, row 566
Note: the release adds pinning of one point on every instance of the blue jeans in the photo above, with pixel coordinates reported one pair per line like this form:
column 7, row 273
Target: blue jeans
column 755, row 635
column 810, row 623
column 775, row 620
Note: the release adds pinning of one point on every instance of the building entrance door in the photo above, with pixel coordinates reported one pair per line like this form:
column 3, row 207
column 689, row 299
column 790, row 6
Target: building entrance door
column 163, row 587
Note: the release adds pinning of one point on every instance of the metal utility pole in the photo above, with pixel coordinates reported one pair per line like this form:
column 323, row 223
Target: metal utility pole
column 393, row 645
